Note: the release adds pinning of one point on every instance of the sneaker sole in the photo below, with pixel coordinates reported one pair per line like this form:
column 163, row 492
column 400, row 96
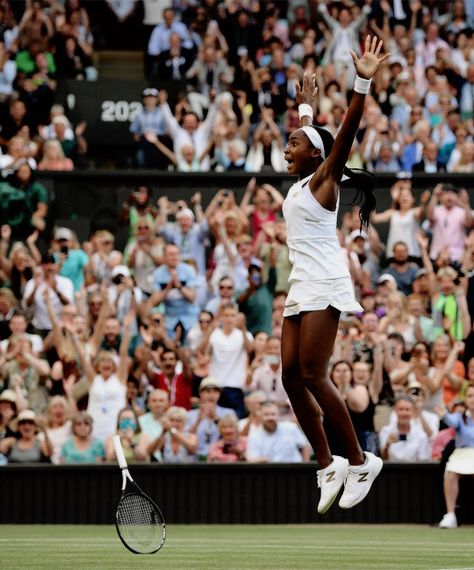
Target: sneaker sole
column 360, row 500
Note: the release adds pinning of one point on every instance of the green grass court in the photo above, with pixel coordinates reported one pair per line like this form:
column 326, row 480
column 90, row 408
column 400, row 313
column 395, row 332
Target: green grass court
column 243, row 547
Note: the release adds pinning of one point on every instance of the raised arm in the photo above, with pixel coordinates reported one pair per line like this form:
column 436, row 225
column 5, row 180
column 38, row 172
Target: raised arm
column 330, row 172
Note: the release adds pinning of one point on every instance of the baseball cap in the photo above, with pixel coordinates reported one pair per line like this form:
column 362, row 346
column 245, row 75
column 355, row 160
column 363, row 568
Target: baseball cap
column 386, row 277
column 121, row 270
column 209, row 382
column 62, row 233
column 185, row 212
column 150, row 92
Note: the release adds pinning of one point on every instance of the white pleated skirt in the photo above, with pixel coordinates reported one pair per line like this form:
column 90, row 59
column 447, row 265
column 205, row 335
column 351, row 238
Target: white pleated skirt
column 319, row 295
column 461, row 461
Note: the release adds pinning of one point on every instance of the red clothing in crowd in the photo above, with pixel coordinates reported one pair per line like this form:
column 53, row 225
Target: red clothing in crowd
column 178, row 388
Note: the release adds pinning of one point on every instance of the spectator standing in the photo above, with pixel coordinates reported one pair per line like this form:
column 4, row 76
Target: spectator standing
column 192, row 132
column 174, row 285
column 173, row 63
column 276, row 441
column 344, row 37
column 47, row 281
column 72, row 261
column 403, row 217
column 229, row 347
column 256, row 301
column 160, row 39
column 450, row 214
column 149, row 120
column 190, row 231
column 107, row 385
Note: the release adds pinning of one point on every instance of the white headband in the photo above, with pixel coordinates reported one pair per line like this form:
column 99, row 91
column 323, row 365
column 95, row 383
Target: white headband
column 315, row 139
column 317, row 142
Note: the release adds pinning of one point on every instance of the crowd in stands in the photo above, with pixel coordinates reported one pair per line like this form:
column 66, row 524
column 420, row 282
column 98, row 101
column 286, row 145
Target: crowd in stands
column 230, row 68
column 174, row 342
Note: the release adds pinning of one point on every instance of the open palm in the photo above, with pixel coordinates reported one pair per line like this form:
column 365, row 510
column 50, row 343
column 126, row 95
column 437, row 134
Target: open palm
column 368, row 64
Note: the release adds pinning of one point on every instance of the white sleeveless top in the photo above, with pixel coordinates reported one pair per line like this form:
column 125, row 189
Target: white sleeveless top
column 403, row 228
column 314, row 248
column 106, row 399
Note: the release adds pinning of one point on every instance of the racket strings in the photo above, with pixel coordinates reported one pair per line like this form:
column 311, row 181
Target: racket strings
column 139, row 523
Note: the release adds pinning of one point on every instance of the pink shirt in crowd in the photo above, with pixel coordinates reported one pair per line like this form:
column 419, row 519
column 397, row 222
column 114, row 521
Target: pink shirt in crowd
column 448, row 231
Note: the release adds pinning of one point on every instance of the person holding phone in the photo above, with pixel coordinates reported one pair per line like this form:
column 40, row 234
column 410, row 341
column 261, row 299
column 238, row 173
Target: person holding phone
column 403, row 439
column 231, row 446
column 73, row 262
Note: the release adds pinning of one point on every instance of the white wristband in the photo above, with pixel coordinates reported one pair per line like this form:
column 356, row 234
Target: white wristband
column 305, row 110
column 362, row 85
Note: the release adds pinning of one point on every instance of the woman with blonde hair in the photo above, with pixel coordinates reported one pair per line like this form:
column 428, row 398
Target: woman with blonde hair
column 403, row 217
column 144, row 253
column 107, row 383
column 449, row 305
column 398, row 320
column 53, row 157
column 103, row 257
column 231, row 446
column 20, row 264
column 175, row 443
column 58, row 425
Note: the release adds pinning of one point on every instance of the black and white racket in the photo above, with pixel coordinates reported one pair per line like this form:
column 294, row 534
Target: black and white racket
column 139, row 522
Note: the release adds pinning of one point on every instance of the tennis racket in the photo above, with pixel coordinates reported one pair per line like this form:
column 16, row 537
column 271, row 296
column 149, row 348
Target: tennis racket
column 139, row 522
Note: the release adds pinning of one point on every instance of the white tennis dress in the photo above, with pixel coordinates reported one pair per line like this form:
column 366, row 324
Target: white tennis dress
column 320, row 277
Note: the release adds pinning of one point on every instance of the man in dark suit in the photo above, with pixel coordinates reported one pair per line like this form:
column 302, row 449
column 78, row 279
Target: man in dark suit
column 429, row 162
column 174, row 62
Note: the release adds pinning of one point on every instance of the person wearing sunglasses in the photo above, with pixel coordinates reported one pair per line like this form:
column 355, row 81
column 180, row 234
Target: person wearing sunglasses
column 225, row 295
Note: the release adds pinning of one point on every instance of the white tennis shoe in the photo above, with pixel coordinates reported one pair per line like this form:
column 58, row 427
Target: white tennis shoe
column 359, row 479
column 330, row 481
column 449, row 521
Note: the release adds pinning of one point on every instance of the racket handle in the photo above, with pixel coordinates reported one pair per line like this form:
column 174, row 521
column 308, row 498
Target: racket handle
column 119, row 452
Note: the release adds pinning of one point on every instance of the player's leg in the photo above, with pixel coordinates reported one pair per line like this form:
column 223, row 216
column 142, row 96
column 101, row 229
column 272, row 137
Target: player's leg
column 318, row 333
column 317, row 336
column 333, row 469
column 302, row 401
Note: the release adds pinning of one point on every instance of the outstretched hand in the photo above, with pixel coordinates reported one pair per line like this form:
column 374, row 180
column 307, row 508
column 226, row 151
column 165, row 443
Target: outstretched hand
column 306, row 93
column 368, row 64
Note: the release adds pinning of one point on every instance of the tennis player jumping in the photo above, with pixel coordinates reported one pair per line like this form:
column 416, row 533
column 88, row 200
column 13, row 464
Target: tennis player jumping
column 320, row 283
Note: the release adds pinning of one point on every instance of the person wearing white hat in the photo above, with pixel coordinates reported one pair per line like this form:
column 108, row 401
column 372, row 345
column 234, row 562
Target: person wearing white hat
column 28, row 448
column 124, row 295
column 73, row 262
column 203, row 420
column 320, row 283
column 189, row 232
